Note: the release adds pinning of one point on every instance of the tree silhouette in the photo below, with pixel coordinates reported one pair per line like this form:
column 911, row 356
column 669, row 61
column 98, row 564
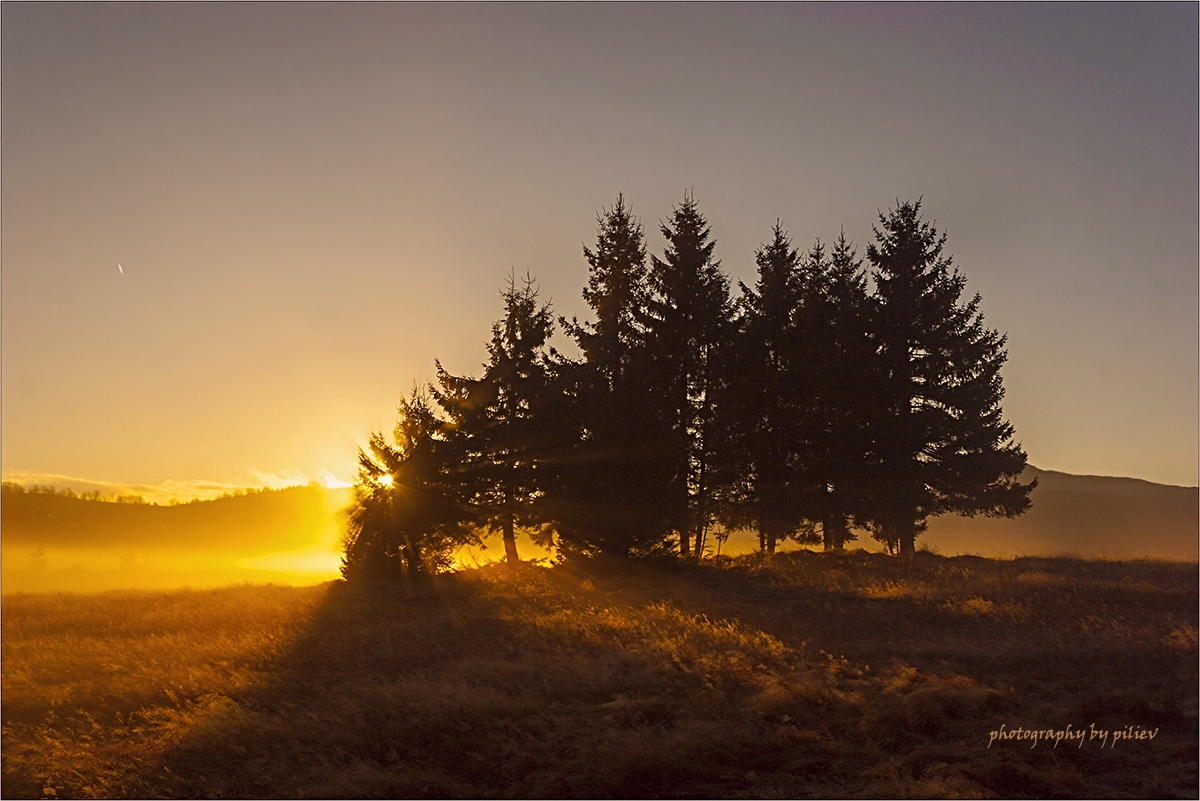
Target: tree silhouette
column 610, row 482
column 618, row 291
column 691, row 319
column 809, row 403
column 836, row 357
column 406, row 518
column 496, row 431
column 763, row 410
column 947, row 448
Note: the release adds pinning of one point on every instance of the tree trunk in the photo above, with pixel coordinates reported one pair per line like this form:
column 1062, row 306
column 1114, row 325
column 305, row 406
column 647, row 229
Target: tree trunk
column 508, row 530
column 906, row 537
column 771, row 536
column 834, row 532
column 419, row 581
column 685, row 543
column 510, row 542
column 701, row 504
column 412, row 558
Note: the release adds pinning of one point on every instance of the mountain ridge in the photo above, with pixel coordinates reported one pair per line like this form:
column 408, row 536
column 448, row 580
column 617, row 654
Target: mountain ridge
column 1040, row 471
column 1084, row 515
column 1089, row 516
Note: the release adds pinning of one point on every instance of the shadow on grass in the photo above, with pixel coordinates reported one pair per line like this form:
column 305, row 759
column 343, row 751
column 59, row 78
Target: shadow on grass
column 804, row 676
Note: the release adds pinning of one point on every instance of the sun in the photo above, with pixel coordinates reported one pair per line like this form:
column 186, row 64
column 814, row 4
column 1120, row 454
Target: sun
column 386, row 480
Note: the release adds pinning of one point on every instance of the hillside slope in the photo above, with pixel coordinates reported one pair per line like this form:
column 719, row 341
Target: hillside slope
column 254, row 523
column 52, row 542
column 55, row 543
column 1092, row 516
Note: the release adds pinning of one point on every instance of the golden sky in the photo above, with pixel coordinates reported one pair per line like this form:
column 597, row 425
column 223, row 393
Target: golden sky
column 308, row 203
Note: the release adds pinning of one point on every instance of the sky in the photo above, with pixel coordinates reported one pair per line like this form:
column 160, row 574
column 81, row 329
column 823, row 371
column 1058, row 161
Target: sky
column 310, row 203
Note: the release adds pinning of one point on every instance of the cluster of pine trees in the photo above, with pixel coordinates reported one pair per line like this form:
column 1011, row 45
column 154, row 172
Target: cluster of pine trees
column 828, row 397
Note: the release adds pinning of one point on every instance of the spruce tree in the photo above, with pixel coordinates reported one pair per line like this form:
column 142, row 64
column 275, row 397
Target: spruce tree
column 944, row 445
column 690, row 321
column 618, row 291
column 496, row 421
column 837, row 359
column 762, row 413
column 407, row 516
column 609, row 488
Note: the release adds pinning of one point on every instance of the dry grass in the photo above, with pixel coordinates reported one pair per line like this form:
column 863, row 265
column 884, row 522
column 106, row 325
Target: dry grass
column 805, row 675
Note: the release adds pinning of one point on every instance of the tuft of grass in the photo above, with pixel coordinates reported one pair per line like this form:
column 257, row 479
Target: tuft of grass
column 805, row 675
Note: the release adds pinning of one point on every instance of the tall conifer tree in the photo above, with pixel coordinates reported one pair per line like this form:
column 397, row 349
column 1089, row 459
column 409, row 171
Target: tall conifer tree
column 408, row 515
column 497, row 421
column 946, row 446
column 691, row 320
column 610, row 485
column 762, row 426
column 618, row 291
column 838, row 361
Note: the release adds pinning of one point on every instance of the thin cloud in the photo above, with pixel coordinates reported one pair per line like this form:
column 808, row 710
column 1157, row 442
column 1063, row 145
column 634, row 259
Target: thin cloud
column 164, row 492
column 175, row 489
column 284, row 478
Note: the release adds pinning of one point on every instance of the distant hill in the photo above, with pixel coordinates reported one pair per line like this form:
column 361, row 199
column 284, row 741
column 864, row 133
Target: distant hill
column 254, row 523
column 1090, row 516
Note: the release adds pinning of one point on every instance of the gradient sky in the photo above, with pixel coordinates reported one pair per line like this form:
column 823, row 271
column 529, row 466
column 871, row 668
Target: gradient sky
column 311, row 202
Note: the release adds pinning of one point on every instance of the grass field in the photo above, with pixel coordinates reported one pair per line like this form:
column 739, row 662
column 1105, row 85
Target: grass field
column 807, row 675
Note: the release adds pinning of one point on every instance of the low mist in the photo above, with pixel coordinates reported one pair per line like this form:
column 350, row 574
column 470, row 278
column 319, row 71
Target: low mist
column 57, row 541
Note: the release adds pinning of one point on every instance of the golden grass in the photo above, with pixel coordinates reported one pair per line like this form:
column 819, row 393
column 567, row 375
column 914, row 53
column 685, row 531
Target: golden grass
column 804, row 675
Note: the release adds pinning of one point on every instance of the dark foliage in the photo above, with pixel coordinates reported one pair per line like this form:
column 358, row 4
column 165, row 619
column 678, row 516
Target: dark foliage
column 942, row 444
column 837, row 358
column 615, row 469
column 496, row 432
column 690, row 321
column 808, row 408
column 764, row 411
column 408, row 515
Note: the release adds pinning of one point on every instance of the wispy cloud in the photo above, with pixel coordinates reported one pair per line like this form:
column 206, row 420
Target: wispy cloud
column 166, row 491
column 285, row 478
column 333, row 482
